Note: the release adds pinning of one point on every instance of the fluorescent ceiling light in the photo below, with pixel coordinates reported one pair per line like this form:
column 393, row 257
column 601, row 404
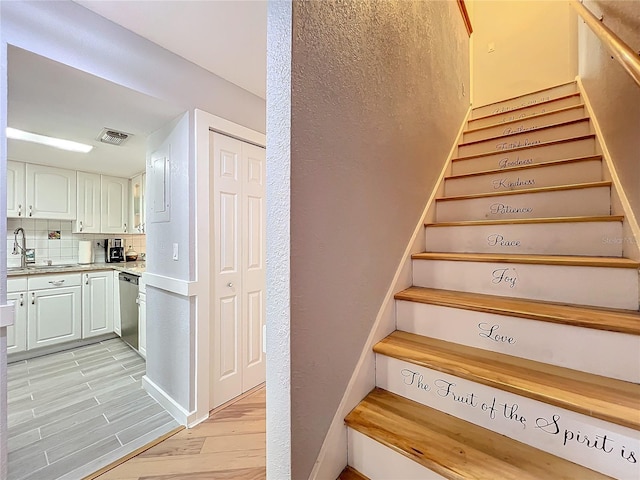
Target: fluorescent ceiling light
column 51, row 141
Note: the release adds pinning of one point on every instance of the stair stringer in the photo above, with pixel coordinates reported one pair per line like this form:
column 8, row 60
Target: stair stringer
column 332, row 457
column 619, row 202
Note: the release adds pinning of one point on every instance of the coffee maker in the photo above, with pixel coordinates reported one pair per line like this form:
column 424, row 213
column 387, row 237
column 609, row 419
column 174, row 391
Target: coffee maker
column 114, row 250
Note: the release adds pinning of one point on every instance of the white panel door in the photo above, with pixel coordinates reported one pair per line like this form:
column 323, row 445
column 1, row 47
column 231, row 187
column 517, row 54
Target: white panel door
column 54, row 316
column 50, row 192
column 15, row 189
column 114, row 208
column 97, row 303
column 238, row 178
column 253, row 265
column 226, row 381
column 88, row 203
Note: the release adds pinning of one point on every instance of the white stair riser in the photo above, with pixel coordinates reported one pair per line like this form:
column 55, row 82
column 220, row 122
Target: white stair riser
column 545, row 342
column 526, row 156
column 579, row 202
column 553, row 429
column 547, row 176
column 536, row 109
column 595, row 286
column 525, row 124
column 379, row 462
column 524, row 100
column 525, row 139
column 600, row 239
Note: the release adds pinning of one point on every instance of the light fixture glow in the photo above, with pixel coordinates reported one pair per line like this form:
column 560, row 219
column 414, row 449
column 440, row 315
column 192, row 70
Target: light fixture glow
column 50, row 141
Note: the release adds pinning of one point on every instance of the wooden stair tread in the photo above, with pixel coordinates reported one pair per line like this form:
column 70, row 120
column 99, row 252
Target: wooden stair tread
column 538, row 145
column 350, row 473
column 507, row 135
column 530, row 117
column 452, row 447
column 515, row 110
column 613, row 320
column 601, row 397
column 566, row 260
column 533, row 166
column 558, row 188
column 533, row 92
column 469, row 223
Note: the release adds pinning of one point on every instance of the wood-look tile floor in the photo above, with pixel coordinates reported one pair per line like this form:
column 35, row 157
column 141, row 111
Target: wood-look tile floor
column 70, row 413
column 231, row 444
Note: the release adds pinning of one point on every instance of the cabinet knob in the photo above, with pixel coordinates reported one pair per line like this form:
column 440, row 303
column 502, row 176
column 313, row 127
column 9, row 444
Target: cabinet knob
column 31, row 210
column 125, row 228
column 80, row 225
column 21, row 299
column 230, row 285
column 86, row 281
column 33, row 298
column 19, row 210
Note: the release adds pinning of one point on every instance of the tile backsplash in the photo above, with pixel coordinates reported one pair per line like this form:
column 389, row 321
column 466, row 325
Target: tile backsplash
column 61, row 247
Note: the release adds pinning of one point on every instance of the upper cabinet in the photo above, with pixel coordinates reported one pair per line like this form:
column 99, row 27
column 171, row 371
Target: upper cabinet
column 137, row 219
column 88, row 199
column 15, row 189
column 114, row 209
column 50, row 192
column 36, row 191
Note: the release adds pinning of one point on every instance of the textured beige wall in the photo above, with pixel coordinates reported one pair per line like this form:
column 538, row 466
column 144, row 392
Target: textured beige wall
column 535, row 47
column 376, row 102
column 614, row 96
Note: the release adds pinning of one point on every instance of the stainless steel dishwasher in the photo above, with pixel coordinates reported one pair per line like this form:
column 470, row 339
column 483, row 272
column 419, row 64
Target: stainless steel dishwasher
column 129, row 308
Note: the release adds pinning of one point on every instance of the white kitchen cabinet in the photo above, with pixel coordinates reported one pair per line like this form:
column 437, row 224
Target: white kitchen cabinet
column 137, row 203
column 114, row 207
column 54, row 309
column 97, row 303
column 50, row 192
column 15, row 189
column 17, row 333
column 117, row 325
column 88, row 203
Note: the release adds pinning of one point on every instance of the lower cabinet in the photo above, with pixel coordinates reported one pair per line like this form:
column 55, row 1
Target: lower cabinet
column 17, row 333
column 54, row 316
column 97, row 303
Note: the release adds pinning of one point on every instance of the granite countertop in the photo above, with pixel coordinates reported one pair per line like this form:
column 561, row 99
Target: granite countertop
column 136, row 268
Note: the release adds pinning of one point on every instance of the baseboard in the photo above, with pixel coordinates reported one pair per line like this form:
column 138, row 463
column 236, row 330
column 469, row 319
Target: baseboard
column 333, row 453
column 631, row 230
column 182, row 416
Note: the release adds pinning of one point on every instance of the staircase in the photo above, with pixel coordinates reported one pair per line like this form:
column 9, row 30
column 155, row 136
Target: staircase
column 517, row 349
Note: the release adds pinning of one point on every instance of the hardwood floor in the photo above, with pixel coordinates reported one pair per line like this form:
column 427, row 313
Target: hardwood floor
column 73, row 412
column 231, row 444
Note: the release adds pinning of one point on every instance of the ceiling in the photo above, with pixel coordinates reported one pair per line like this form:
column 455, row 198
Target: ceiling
column 228, row 38
column 49, row 98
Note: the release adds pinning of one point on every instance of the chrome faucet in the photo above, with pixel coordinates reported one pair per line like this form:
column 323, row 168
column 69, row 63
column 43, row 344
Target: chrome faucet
column 23, row 247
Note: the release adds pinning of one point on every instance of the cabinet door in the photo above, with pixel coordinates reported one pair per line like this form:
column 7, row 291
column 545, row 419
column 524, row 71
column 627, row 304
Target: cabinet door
column 114, row 207
column 142, row 324
column 50, row 192
column 17, row 334
column 88, row 203
column 54, row 316
column 137, row 204
column 15, row 189
column 97, row 303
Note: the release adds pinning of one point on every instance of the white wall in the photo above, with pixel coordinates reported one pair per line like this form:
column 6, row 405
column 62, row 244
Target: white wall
column 69, row 33
column 535, row 44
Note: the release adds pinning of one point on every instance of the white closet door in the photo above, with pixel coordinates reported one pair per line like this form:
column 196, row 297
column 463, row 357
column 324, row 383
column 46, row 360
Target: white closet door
column 238, row 238
column 253, row 266
column 226, row 173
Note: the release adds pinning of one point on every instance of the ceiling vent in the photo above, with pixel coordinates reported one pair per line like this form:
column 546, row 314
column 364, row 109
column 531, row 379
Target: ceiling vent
column 113, row 137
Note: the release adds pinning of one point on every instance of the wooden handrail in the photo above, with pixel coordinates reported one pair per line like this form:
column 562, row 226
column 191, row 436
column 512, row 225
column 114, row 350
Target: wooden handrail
column 629, row 59
column 465, row 16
